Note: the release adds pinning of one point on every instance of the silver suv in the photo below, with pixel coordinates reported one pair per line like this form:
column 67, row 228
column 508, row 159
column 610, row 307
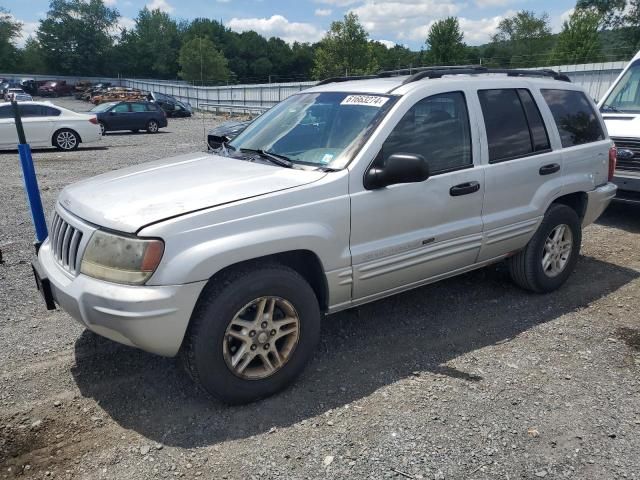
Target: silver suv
column 348, row 192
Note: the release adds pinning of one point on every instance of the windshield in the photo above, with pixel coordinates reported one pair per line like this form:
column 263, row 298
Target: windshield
column 625, row 97
column 321, row 129
column 103, row 107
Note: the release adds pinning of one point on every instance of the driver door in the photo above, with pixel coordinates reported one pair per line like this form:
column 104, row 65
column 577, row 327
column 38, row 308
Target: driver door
column 406, row 234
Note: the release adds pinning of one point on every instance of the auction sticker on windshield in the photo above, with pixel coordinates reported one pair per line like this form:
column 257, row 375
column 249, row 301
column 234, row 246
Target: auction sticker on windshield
column 368, row 100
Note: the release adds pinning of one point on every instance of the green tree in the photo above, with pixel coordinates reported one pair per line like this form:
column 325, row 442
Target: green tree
column 155, row 42
column 444, row 42
column 344, row 50
column 77, row 35
column 31, row 57
column 200, row 61
column 579, row 41
column 522, row 40
column 610, row 10
column 9, row 32
column 632, row 21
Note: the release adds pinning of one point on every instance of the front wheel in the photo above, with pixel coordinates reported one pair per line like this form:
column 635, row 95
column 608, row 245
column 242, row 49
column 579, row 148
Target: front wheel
column 152, row 126
column 551, row 255
column 66, row 139
column 252, row 333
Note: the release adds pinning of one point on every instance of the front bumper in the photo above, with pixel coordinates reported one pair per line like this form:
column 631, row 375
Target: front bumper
column 152, row 318
column 628, row 186
column 597, row 201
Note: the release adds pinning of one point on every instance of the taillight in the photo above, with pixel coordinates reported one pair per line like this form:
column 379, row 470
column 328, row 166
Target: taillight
column 613, row 155
column 94, row 120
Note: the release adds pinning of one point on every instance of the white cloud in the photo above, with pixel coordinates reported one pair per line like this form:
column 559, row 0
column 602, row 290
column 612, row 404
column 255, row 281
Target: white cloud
column 27, row 30
column 387, row 43
column 556, row 22
column 492, row 3
column 402, row 18
column 278, row 26
column 126, row 22
column 161, row 5
column 339, row 3
column 477, row 32
column 110, row 3
column 323, row 12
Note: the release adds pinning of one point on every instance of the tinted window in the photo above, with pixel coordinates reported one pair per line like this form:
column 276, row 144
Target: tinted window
column 152, row 107
column 51, row 112
column 506, row 124
column 539, row 137
column 437, row 128
column 138, row 107
column 576, row 120
column 121, row 108
column 38, row 111
column 5, row 112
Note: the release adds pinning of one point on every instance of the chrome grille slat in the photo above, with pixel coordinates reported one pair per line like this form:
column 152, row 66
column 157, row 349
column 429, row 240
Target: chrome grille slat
column 632, row 144
column 65, row 243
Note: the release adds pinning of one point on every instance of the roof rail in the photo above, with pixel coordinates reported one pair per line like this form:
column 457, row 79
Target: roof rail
column 438, row 72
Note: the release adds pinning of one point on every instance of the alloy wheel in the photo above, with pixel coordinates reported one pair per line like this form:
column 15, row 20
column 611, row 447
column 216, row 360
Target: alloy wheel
column 557, row 250
column 66, row 140
column 261, row 338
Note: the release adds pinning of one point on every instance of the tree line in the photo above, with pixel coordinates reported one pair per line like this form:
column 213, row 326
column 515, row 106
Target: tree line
column 83, row 37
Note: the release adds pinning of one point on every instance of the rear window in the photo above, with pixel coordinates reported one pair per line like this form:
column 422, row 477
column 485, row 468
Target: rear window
column 575, row 118
column 513, row 124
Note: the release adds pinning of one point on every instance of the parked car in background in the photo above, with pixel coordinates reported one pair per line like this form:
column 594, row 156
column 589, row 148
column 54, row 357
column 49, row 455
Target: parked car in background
column 620, row 108
column 12, row 92
column 132, row 116
column 343, row 194
column 171, row 106
column 225, row 132
column 22, row 97
column 57, row 88
column 47, row 125
column 30, row 85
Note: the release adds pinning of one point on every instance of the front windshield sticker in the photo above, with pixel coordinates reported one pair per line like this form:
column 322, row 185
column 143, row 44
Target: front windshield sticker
column 326, row 158
column 368, row 100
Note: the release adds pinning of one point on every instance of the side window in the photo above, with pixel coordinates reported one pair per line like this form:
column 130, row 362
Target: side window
column 151, row 107
column 5, row 112
column 30, row 111
column 51, row 112
column 513, row 123
column 575, row 118
column 138, row 107
column 121, row 108
column 437, row 128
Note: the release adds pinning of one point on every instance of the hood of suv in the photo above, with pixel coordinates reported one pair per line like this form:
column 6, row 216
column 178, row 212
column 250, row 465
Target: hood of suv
column 127, row 200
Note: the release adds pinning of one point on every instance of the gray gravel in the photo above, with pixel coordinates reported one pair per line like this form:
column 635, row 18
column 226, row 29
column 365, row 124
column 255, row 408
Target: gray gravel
column 467, row 378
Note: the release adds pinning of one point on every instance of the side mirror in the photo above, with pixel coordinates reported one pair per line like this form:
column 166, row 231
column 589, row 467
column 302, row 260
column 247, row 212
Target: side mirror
column 399, row 168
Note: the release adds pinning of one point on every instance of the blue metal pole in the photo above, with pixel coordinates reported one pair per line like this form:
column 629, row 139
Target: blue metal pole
column 33, row 193
column 30, row 180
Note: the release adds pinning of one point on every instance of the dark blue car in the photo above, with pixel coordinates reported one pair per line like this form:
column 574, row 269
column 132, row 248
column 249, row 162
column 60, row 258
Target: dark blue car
column 132, row 116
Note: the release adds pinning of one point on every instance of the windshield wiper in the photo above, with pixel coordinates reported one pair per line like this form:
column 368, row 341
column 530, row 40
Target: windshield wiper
column 276, row 158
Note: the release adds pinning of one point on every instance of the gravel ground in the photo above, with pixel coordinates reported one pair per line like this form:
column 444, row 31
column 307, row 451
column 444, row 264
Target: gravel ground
column 467, row 378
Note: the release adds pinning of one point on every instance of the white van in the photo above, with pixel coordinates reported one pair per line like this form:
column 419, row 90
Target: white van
column 620, row 108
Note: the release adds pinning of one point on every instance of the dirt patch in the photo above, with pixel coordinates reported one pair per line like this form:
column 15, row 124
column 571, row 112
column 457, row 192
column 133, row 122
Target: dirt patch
column 630, row 336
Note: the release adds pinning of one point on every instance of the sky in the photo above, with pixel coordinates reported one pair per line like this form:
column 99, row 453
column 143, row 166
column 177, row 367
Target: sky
column 405, row 22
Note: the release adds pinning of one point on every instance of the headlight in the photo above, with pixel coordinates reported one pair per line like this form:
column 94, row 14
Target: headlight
column 121, row 259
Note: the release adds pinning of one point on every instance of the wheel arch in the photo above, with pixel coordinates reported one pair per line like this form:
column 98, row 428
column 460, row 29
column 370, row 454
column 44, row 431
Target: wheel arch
column 59, row 129
column 577, row 201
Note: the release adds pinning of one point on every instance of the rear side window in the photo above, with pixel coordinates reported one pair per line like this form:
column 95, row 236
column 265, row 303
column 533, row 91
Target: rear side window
column 6, row 112
column 51, row 112
column 437, row 128
column 152, row 107
column 121, row 108
column 575, row 118
column 513, row 124
column 138, row 107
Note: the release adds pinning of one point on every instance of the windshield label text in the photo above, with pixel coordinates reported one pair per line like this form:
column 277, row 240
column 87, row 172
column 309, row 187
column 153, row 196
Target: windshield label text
column 367, row 100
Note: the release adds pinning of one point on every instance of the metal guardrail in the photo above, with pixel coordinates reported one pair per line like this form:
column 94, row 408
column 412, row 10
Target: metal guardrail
column 229, row 107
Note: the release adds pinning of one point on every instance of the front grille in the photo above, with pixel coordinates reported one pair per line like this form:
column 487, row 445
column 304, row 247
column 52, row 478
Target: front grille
column 65, row 243
column 632, row 144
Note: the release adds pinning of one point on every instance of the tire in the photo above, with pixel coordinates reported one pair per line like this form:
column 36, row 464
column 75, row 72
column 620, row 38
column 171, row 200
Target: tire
column 103, row 128
column 66, row 139
column 527, row 268
column 208, row 349
column 152, row 126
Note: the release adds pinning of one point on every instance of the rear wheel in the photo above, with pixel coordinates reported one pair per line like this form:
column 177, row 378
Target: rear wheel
column 66, row 139
column 551, row 255
column 152, row 126
column 252, row 333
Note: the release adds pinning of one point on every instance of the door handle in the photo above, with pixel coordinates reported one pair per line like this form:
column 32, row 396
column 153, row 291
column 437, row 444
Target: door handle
column 549, row 169
column 464, row 189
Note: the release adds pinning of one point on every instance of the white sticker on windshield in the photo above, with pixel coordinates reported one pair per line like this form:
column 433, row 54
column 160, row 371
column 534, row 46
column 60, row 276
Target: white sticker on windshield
column 368, row 100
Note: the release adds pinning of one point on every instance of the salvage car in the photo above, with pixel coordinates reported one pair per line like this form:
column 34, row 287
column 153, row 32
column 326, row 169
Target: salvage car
column 58, row 88
column 172, row 107
column 225, row 132
column 134, row 116
column 344, row 193
column 47, row 125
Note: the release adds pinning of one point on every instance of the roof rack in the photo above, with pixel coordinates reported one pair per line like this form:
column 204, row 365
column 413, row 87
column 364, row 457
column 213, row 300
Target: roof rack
column 420, row 73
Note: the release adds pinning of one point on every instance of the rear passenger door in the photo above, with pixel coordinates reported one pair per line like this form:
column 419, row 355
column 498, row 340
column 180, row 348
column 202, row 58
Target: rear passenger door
column 139, row 116
column 522, row 171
